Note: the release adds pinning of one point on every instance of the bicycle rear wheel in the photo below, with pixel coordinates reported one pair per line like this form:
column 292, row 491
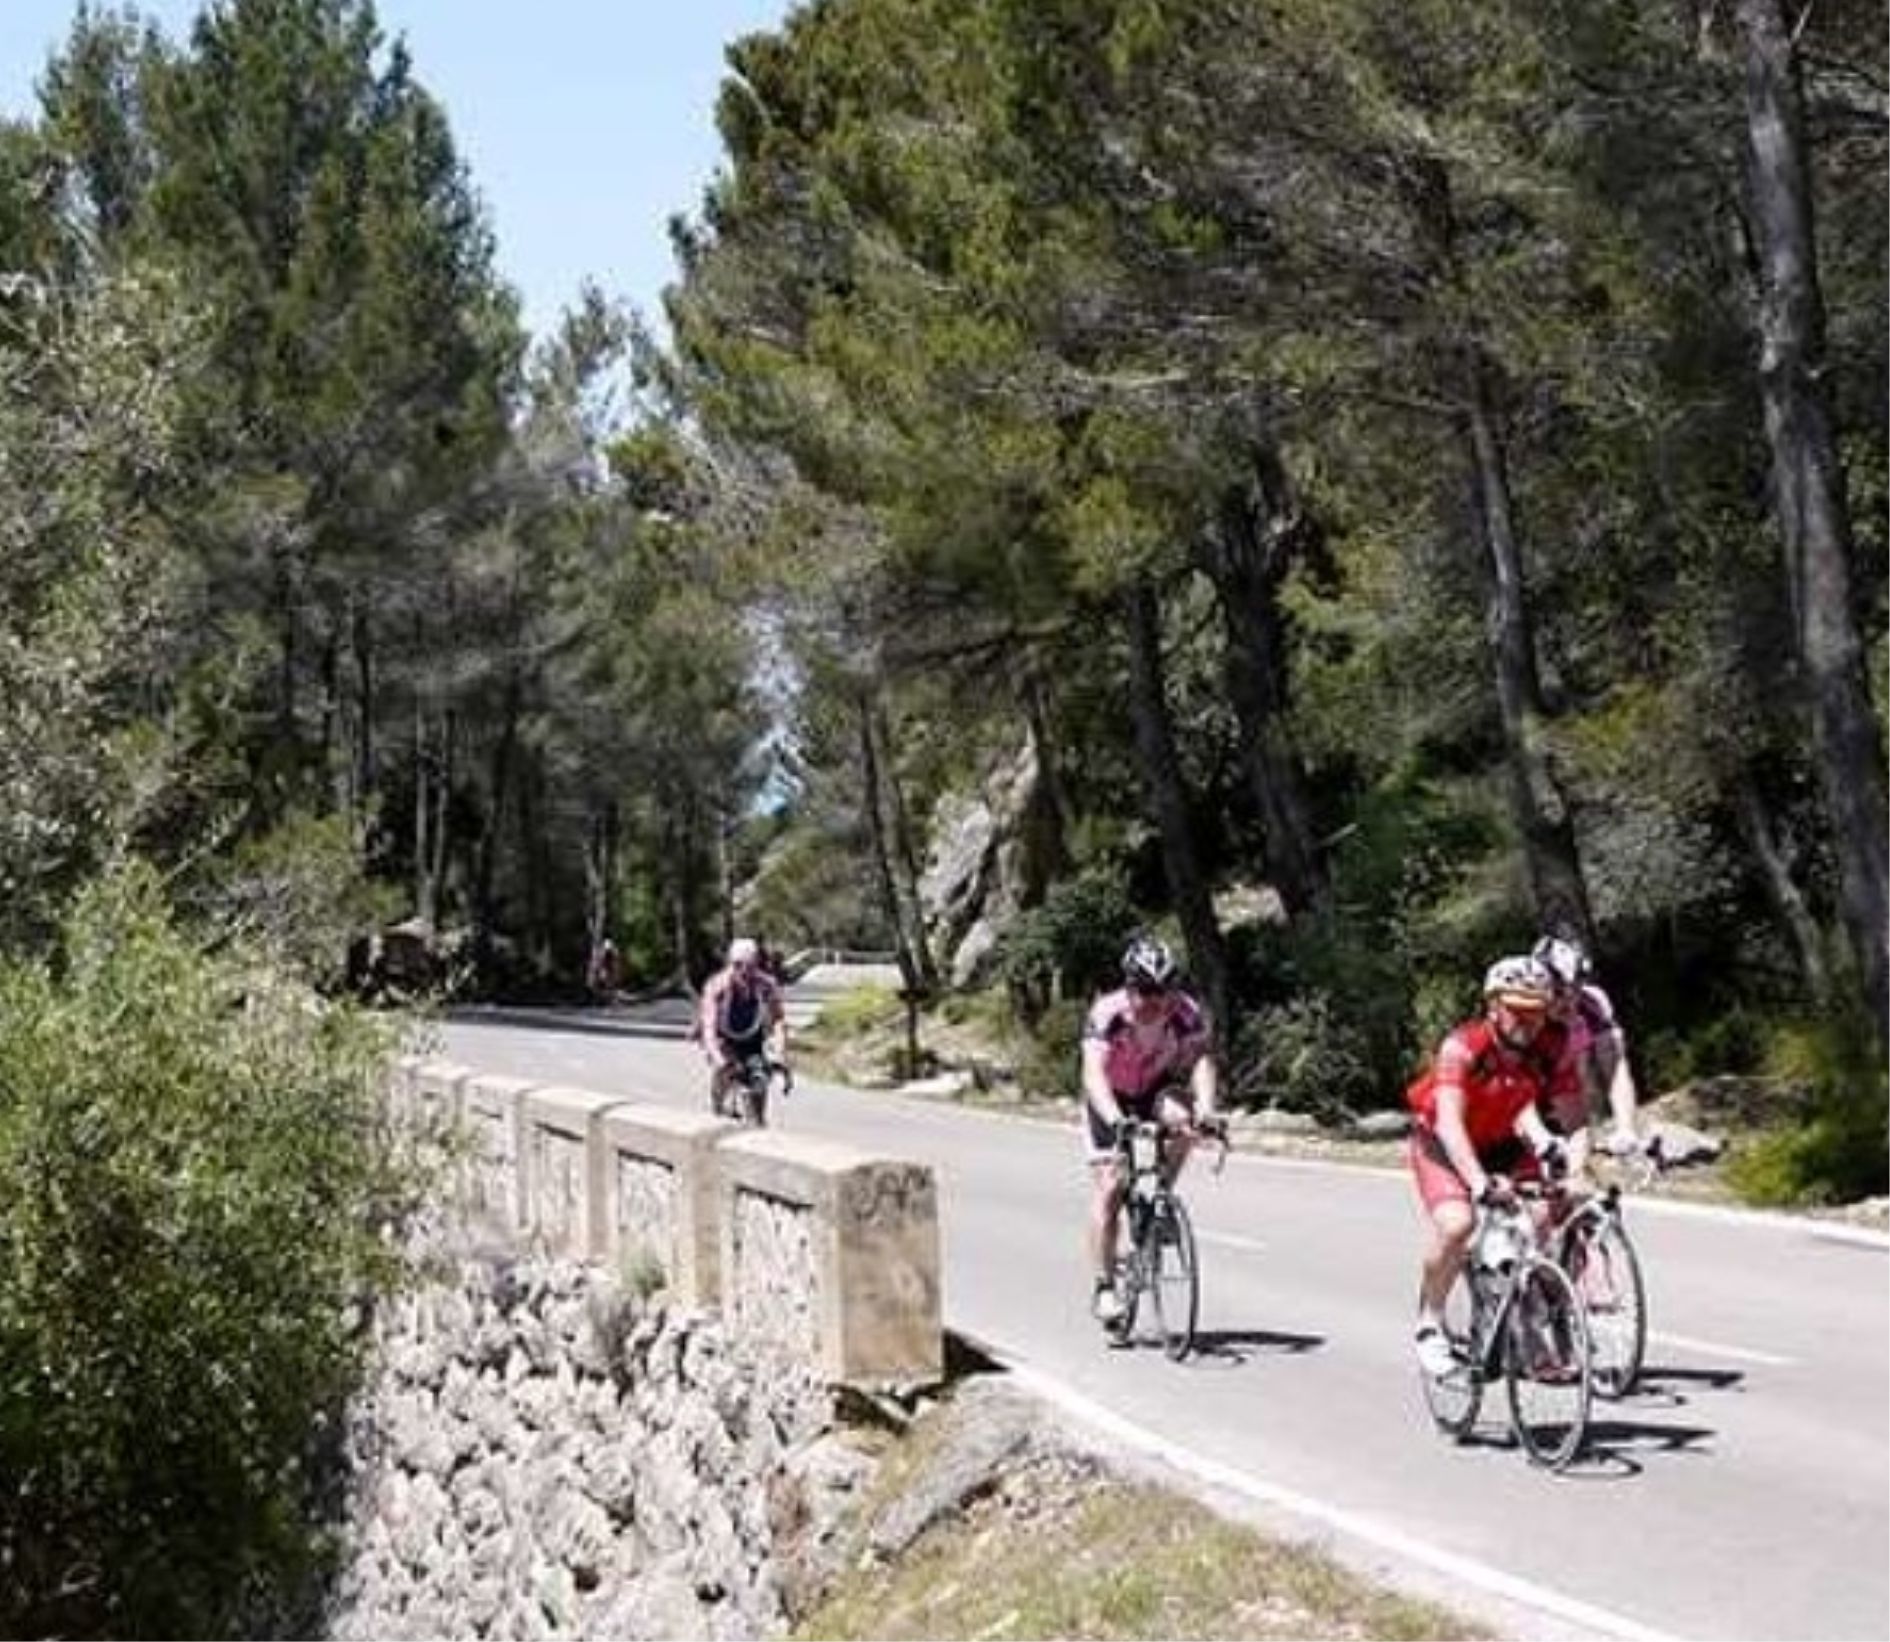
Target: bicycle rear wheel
column 1599, row 1257
column 1546, row 1364
column 1174, row 1276
column 1455, row 1399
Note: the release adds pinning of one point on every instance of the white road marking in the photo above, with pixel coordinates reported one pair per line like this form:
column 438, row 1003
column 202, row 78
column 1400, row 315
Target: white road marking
column 1230, row 1240
column 1467, row 1570
column 1739, row 1353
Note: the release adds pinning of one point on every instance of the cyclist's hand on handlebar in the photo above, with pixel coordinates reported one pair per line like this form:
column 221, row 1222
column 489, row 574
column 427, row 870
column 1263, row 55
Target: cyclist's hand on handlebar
column 1499, row 1191
column 1554, row 1160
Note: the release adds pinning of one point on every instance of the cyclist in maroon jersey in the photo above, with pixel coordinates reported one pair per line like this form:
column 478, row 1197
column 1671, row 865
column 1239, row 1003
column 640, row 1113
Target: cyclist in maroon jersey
column 1147, row 1055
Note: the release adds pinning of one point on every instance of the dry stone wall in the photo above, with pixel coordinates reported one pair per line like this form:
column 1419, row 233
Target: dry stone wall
column 542, row 1456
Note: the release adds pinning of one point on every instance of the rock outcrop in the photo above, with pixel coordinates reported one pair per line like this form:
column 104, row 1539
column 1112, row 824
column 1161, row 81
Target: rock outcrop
column 991, row 856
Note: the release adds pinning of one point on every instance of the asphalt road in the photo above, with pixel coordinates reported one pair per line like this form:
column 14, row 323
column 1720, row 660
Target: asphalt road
column 1743, row 1493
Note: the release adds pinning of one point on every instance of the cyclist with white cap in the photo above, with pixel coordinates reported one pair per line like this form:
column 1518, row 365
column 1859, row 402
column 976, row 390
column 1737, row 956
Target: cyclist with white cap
column 1477, row 1126
column 740, row 1013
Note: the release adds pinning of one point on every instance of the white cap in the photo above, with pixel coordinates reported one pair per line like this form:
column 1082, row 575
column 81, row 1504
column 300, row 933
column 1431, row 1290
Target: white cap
column 742, row 950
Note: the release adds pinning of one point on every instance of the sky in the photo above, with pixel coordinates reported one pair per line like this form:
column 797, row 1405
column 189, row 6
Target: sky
column 585, row 124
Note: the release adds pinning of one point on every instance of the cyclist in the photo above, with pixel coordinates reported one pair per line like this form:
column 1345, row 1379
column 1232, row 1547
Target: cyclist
column 1147, row 1054
column 1476, row 1125
column 740, row 1013
column 1598, row 1047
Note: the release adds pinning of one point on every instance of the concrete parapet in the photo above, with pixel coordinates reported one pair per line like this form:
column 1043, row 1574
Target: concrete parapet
column 657, row 1190
column 832, row 1252
column 562, row 1174
column 434, row 1093
column 496, row 1188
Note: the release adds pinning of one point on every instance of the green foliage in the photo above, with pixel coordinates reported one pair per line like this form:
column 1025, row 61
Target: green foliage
column 1072, row 943
column 194, row 1187
column 299, row 895
column 1838, row 1154
column 1304, row 1055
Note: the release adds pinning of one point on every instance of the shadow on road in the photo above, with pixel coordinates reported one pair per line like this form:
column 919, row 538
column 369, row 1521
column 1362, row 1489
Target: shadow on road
column 1230, row 1346
column 1715, row 1379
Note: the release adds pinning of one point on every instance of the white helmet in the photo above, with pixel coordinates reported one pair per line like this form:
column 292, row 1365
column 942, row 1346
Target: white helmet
column 742, row 950
column 1564, row 959
column 1522, row 982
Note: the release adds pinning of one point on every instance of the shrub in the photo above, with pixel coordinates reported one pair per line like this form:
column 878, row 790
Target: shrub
column 194, row 1189
column 1837, row 1154
column 1305, row 1056
column 1070, row 943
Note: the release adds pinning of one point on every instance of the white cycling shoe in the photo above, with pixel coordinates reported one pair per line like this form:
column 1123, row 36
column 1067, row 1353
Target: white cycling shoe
column 1106, row 1305
column 1434, row 1355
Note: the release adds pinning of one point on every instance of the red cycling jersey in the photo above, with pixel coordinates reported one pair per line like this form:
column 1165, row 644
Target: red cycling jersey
column 1499, row 1081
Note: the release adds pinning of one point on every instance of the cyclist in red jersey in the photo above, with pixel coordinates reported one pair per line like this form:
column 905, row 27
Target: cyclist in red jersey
column 1477, row 1125
column 1147, row 1054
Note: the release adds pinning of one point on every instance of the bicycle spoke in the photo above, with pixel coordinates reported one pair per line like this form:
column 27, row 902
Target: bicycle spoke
column 1176, row 1285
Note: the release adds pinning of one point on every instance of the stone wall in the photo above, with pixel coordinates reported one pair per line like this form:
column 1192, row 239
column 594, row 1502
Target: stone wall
column 540, row 1454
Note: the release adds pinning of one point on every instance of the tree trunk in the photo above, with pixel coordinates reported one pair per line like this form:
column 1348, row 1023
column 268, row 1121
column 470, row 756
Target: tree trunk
column 905, row 858
column 1539, row 806
column 364, row 720
column 493, row 841
column 1048, row 823
column 1168, row 797
column 1808, row 493
column 1788, row 902
column 422, row 813
column 912, row 973
column 443, row 798
column 1247, row 557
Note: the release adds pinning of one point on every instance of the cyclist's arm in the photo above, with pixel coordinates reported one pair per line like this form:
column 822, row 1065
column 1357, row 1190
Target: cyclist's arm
column 1451, row 1134
column 1624, row 1101
column 1204, row 1081
column 1532, row 1128
column 1096, row 1088
column 777, row 1027
column 708, row 1020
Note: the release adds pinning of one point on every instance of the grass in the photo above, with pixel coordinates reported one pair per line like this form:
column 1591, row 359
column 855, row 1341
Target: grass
column 1107, row 1559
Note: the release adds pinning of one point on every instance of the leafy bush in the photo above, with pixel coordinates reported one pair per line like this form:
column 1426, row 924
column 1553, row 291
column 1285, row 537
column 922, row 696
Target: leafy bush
column 1837, row 1154
column 1304, row 1055
column 1049, row 1069
column 194, row 1188
column 1070, row 943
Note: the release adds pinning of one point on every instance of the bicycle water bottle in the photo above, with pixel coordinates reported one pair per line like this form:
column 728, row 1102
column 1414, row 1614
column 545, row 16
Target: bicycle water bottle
column 1497, row 1249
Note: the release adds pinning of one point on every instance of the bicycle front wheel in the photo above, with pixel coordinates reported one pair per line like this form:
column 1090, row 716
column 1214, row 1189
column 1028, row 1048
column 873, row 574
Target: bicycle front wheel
column 1175, row 1276
column 1546, row 1364
column 1599, row 1257
column 1455, row 1398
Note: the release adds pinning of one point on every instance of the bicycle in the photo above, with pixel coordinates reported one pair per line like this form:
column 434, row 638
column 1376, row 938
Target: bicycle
column 1161, row 1261
column 1527, row 1327
column 1593, row 1247
column 744, row 1089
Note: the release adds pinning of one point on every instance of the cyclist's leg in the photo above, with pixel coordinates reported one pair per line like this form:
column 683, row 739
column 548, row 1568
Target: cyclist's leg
column 1449, row 1221
column 1106, row 1191
column 1175, row 1106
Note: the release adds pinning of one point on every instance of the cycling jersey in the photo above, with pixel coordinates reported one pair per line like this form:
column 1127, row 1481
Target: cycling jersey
column 1590, row 1022
column 738, row 1011
column 1499, row 1081
column 1139, row 1059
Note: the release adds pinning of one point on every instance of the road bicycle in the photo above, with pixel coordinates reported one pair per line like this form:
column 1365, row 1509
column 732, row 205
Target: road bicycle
column 745, row 1090
column 1161, row 1263
column 1592, row 1245
column 1515, row 1316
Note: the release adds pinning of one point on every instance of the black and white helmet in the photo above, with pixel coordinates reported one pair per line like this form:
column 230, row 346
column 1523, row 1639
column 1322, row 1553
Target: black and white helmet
column 1148, row 962
column 1564, row 959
